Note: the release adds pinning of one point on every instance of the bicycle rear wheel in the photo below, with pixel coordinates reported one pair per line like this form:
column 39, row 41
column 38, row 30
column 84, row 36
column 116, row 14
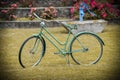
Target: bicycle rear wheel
column 31, row 51
column 86, row 49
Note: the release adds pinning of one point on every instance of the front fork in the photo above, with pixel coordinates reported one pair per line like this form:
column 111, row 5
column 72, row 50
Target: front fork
column 41, row 39
column 35, row 47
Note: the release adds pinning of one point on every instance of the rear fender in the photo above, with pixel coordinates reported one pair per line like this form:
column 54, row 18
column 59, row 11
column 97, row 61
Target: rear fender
column 80, row 33
column 92, row 34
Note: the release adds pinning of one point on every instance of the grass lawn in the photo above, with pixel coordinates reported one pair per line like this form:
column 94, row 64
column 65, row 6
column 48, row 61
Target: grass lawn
column 54, row 67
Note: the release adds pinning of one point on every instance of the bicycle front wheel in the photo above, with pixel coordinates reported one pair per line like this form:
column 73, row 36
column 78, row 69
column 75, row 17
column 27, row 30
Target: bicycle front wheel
column 31, row 51
column 86, row 49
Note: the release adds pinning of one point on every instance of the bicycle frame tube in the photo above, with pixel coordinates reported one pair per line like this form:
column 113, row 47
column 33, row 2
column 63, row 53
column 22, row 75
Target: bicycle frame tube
column 54, row 38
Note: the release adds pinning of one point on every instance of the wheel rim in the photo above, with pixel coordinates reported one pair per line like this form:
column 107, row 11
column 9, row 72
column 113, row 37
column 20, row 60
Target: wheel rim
column 30, row 54
column 90, row 49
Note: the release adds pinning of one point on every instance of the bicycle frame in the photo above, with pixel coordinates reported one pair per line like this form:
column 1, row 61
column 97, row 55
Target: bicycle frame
column 65, row 43
column 43, row 27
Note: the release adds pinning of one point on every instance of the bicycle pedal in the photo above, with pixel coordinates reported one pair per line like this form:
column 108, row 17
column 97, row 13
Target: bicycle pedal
column 56, row 53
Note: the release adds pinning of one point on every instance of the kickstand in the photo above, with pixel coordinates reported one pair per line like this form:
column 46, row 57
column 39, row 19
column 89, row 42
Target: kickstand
column 67, row 59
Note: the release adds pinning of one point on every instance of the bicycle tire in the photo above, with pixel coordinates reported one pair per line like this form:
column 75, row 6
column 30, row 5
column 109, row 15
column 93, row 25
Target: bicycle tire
column 91, row 48
column 32, row 58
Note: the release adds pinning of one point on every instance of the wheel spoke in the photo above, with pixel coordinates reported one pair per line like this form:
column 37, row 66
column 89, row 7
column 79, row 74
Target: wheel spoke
column 86, row 49
column 31, row 52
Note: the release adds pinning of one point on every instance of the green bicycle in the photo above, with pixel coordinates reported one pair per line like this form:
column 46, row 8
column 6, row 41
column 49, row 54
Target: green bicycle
column 84, row 47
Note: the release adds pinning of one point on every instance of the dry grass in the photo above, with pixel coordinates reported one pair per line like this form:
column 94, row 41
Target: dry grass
column 54, row 67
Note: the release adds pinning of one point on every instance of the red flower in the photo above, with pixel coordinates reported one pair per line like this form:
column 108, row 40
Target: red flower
column 108, row 5
column 72, row 10
column 54, row 14
column 11, row 17
column 111, row 10
column 104, row 14
column 117, row 12
column 32, row 10
column 93, row 3
column 4, row 11
column 14, row 16
column 30, row 5
column 100, row 7
column 77, row 6
column 85, row 1
column 14, row 5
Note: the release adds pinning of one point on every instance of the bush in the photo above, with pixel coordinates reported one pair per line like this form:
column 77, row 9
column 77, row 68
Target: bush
column 9, row 13
column 103, row 10
column 9, row 7
column 49, row 13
